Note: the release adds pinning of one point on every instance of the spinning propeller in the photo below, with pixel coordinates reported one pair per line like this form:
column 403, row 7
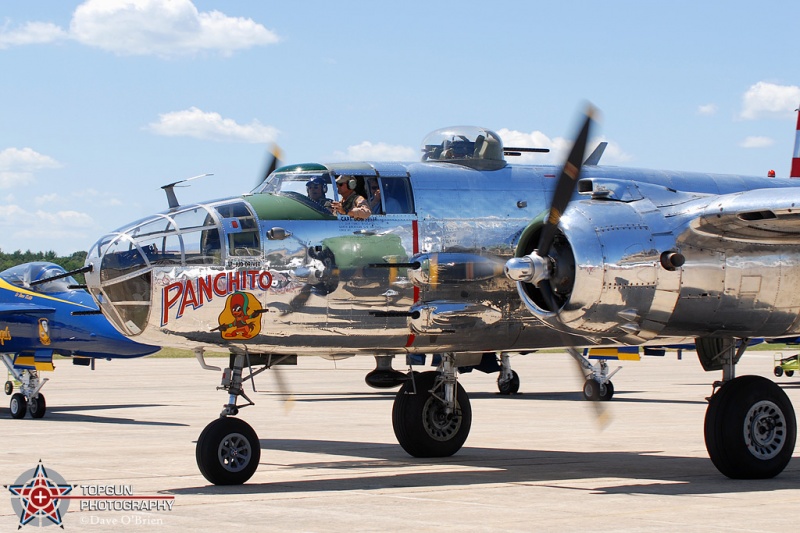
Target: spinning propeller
column 273, row 162
column 538, row 266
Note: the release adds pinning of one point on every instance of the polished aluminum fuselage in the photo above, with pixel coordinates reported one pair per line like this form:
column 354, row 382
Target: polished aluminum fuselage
column 326, row 285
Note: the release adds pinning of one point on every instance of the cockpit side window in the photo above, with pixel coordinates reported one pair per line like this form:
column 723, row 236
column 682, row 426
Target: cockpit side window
column 397, row 197
column 241, row 228
column 313, row 189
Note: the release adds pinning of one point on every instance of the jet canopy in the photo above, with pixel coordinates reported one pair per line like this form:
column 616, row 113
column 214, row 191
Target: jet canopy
column 23, row 275
column 470, row 146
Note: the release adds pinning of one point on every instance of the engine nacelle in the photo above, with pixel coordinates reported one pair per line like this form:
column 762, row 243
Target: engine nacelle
column 631, row 264
column 613, row 269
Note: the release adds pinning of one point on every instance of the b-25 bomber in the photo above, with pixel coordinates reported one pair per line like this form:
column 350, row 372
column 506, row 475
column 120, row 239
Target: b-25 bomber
column 466, row 254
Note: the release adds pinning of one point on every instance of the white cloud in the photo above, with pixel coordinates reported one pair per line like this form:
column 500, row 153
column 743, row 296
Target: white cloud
column 165, row 28
column 194, row 122
column 768, row 99
column 15, row 179
column 31, row 33
column 756, row 142
column 42, row 230
column 17, row 166
column 367, row 151
column 46, row 199
column 707, row 109
column 64, row 219
column 25, row 159
column 96, row 197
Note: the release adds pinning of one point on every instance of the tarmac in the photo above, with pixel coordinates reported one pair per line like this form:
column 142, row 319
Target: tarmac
column 535, row 461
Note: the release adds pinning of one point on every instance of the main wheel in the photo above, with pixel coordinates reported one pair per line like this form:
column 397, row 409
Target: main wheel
column 778, row 371
column 789, row 373
column 8, row 388
column 509, row 386
column 228, row 451
column 423, row 426
column 750, row 428
column 37, row 406
column 18, row 405
column 591, row 390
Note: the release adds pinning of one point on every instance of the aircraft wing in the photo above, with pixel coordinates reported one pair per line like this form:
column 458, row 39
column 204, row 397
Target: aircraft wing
column 763, row 215
column 24, row 308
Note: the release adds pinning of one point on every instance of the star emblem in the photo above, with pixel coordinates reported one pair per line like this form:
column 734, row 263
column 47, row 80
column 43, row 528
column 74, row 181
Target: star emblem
column 39, row 497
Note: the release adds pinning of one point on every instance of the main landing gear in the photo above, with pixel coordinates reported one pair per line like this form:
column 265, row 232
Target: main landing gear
column 28, row 399
column 432, row 414
column 750, row 425
column 431, row 418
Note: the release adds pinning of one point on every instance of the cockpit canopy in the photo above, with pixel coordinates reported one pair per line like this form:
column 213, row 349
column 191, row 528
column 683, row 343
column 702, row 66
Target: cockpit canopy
column 23, row 275
column 469, row 146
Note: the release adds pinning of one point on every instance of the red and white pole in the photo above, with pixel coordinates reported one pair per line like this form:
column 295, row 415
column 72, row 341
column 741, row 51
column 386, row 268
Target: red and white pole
column 796, row 155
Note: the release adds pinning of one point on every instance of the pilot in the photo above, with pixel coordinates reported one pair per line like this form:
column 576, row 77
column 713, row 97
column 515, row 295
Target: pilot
column 352, row 204
column 316, row 189
column 374, row 191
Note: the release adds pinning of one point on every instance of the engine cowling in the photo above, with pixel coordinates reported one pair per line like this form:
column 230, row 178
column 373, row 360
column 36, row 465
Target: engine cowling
column 611, row 273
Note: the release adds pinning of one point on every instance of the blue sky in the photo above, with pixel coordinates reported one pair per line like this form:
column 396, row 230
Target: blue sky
column 104, row 101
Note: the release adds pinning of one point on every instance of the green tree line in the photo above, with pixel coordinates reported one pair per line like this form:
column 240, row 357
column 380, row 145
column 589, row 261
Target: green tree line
column 70, row 262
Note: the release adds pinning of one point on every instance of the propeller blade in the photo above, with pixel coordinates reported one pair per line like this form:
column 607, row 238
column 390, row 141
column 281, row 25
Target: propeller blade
column 273, row 162
column 565, row 188
column 601, row 413
column 283, row 389
column 566, row 184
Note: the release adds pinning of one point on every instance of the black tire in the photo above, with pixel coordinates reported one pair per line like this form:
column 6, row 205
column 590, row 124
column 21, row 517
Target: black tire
column 228, row 451
column 591, row 390
column 8, row 388
column 420, row 423
column 508, row 387
column 778, row 371
column 37, row 406
column 750, row 428
column 606, row 391
column 18, row 405
column 789, row 373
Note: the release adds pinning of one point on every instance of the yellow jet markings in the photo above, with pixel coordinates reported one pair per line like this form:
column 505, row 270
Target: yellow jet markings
column 20, row 291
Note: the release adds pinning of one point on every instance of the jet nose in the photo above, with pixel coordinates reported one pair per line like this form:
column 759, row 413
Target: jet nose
column 107, row 341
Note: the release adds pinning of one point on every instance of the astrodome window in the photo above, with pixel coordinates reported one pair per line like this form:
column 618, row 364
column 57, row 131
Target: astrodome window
column 465, row 145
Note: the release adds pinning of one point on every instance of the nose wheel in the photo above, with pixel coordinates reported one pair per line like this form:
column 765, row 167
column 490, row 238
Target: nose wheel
column 228, row 451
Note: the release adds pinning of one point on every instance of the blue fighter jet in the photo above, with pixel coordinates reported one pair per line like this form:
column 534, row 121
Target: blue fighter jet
column 43, row 312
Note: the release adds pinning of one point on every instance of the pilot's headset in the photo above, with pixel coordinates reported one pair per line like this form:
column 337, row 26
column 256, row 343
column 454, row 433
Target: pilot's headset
column 319, row 180
column 350, row 180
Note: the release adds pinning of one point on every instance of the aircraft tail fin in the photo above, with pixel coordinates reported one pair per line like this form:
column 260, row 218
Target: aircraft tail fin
column 795, row 173
column 594, row 157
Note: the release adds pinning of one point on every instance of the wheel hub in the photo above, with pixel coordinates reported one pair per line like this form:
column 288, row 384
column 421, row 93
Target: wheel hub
column 765, row 430
column 234, row 452
column 440, row 424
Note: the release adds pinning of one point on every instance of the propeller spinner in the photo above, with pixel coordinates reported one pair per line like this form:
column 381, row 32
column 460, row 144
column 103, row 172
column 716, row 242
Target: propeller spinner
column 538, row 266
